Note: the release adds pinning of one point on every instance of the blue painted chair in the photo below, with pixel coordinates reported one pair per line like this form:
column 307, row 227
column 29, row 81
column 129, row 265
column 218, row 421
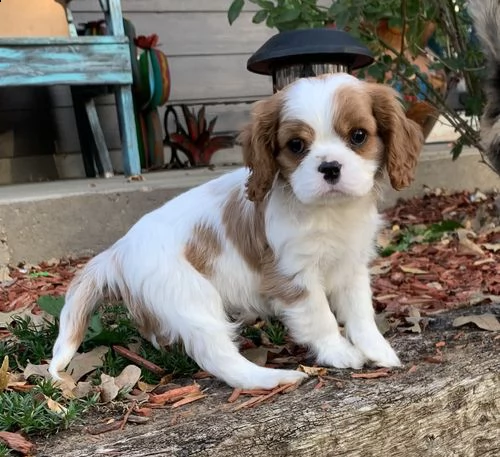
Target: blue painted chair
column 81, row 61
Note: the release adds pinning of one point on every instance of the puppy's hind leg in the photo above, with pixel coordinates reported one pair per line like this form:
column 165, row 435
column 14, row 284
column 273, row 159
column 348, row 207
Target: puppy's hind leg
column 201, row 323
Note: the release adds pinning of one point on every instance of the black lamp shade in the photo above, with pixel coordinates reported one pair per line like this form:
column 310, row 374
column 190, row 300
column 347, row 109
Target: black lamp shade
column 308, row 52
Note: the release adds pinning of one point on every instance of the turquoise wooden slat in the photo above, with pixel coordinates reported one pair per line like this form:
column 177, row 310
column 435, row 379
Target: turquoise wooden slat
column 58, row 63
column 124, row 101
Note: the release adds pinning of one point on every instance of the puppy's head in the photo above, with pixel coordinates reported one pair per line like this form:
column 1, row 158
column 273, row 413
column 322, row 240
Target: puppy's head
column 329, row 136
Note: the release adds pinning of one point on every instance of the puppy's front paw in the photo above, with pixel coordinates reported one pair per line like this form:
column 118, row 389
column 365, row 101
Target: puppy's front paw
column 375, row 348
column 339, row 353
column 269, row 378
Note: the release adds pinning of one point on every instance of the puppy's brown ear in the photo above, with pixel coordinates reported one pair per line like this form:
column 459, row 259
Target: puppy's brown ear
column 403, row 138
column 259, row 143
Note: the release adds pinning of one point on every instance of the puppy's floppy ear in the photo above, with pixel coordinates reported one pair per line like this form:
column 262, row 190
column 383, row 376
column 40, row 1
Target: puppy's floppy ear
column 259, row 143
column 403, row 138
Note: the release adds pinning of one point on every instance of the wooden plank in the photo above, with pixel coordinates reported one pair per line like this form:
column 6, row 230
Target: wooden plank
column 197, row 33
column 203, row 79
column 59, row 63
column 163, row 6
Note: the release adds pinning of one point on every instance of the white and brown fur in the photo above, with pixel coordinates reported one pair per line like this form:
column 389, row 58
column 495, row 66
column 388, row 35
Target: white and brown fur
column 273, row 238
column 486, row 18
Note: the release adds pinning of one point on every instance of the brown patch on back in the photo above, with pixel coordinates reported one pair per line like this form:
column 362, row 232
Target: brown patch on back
column 290, row 130
column 277, row 285
column 353, row 110
column 245, row 228
column 203, row 248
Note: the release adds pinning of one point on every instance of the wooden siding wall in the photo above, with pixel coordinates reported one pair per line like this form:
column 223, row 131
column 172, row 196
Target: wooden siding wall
column 207, row 60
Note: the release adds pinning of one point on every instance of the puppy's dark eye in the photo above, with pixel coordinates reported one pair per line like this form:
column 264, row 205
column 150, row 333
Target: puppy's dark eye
column 296, row 145
column 357, row 137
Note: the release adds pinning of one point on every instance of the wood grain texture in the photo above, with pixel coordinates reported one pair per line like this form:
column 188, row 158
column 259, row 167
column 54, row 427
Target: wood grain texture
column 78, row 61
column 197, row 33
column 439, row 410
column 162, row 6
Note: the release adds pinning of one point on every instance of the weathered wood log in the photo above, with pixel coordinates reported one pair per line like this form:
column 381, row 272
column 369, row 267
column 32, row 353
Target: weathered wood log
column 443, row 409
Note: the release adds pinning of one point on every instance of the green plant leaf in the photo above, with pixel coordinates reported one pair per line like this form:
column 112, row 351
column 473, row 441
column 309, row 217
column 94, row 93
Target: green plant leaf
column 95, row 328
column 51, row 305
column 287, row 15
column 260, row 16
column 235, row 10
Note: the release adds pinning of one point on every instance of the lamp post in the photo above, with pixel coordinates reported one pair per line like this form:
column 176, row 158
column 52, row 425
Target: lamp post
column 291, row 55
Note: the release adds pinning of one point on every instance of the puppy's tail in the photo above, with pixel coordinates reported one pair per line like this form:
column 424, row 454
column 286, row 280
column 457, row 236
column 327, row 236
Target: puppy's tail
column 485, row 15
column 82, row 298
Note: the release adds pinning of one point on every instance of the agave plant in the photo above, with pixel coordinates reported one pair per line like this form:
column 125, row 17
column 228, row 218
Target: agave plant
column 196, row 141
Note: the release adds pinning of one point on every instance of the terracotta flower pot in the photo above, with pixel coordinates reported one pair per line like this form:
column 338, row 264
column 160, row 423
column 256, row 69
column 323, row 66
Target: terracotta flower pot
column 419, row 109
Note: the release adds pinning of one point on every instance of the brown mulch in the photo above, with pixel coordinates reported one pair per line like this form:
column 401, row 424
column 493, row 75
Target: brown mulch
column 431, row 276
column 28, row 282
column 448, row 273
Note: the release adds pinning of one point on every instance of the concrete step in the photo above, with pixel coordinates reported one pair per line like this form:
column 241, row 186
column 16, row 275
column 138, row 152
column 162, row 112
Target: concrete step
column 78, row 217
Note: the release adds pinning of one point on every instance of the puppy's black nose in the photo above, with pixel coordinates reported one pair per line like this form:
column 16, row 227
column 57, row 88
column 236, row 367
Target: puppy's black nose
column 331, row 171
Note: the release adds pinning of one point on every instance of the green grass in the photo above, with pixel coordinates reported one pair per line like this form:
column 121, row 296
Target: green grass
column 276, row 332
column 5, row 451
column 427, row 234
column 28, row 412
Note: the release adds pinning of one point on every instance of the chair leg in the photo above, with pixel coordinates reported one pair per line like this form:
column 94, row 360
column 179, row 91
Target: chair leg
column 87, row 145
column 102, row 154
column 130, row 147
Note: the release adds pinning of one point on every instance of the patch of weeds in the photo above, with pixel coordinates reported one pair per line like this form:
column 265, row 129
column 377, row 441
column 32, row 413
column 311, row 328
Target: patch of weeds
column 418, row 234
column 173, row 359
column 113, row 365
column 112, row 325
column 276, row 332
column 33, row 343
column 5, row 451
column 253, row 334
column 28, row 412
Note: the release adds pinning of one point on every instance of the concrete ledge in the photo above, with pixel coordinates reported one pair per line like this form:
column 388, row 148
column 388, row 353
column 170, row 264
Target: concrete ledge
column 79, row 217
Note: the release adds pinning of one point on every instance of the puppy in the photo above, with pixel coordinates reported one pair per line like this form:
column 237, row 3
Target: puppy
column 486, row 19
column 290, row 235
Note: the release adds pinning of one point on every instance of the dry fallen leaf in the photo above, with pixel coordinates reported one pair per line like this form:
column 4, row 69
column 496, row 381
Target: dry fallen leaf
column 128, row 377
column 313, row 371
column 55, row 406
column 256, row 355
column 484, row 321
column 17, row 442
column 37, row 370
column 381, row 268
column 415, row 271
column 491, row 246
column 466, row 245
column 83, row 389
column 382, row 323
column 86, row 362
column 414, row 318
column 145, row 387
column 4, row 374
column 108, row 388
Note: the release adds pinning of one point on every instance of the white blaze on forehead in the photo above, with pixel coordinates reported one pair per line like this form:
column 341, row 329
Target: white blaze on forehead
column 311, row 100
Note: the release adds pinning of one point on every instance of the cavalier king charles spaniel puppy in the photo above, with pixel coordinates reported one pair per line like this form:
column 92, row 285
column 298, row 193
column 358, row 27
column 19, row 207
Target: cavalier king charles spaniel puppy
column 290, row 235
